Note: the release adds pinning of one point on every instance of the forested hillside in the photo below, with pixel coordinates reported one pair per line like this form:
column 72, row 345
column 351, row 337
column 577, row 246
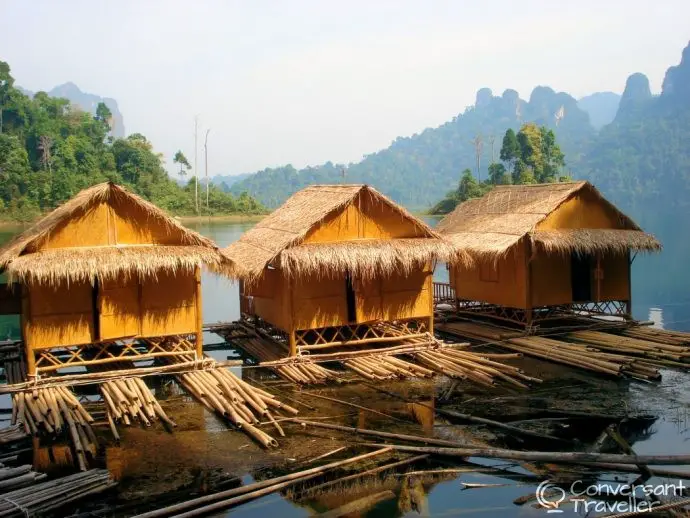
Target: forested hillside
column 51, row 149
column 419, row 170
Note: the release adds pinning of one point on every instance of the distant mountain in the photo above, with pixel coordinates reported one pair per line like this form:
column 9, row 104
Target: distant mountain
column 642, row 162
column 87, row 102
column 601, row 107
column 418, row 170
column 228, row 180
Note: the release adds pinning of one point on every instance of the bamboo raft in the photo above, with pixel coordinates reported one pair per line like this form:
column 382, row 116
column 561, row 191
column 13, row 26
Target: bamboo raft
column 12, row 434
column 21, row 476
column 654, row 352
column 585, row 357
column 41, row 499
column 634, row 352
column 414, row 356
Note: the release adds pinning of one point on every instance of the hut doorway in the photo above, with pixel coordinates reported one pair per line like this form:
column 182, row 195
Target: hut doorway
column 351, row 299
column 581, row 276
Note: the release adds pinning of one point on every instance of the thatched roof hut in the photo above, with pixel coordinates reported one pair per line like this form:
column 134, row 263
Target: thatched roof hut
column 334, row 256
column 280, row 240
column 102, row 253
column 544, row 245
column 107, row 266
column 492, row 224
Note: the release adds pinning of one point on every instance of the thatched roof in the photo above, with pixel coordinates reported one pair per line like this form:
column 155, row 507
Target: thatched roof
column 24, row 261
column 492, row 224
column 278, row 239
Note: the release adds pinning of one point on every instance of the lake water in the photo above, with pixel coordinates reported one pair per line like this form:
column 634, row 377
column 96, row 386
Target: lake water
column 151, row 461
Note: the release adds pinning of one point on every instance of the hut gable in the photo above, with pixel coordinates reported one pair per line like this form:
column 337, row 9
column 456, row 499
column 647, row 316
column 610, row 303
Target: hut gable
column 560, row 216
column 333, row 228
column 105, row 232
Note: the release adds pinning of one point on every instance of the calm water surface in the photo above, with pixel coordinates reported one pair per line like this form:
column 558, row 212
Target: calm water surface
column 203, row 444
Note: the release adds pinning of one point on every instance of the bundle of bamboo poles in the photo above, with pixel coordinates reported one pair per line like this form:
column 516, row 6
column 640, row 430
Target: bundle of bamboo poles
column 129, row 399
column 654, row 352
column 663, row 336
column 378, row 367
column 12, row 433
column 305, row 371
column 49, row 410
column 46, row 497
column 583, row 356
column 220, row 391
column 475, row 367
column 21, row 476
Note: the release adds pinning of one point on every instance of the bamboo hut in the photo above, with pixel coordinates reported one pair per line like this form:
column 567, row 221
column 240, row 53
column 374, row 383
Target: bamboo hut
column 106, row 277
column 333, row 262
column 541, row 250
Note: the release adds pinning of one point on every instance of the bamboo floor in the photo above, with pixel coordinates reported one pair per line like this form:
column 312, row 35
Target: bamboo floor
column 628, row 350
column 410, row 356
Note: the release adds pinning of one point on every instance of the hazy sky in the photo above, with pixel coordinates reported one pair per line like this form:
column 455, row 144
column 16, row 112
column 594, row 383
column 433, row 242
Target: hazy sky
column 304, row 82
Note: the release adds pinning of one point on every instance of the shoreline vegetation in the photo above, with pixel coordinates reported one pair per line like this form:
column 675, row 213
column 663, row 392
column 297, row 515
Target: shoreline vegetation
column 50, row 150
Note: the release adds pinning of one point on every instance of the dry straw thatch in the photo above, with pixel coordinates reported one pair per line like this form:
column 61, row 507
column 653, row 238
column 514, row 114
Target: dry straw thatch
column 489, row 226
column 277, row 240
column 24, row 261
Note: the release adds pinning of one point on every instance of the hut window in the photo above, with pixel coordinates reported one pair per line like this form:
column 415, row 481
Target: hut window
column 488, row 271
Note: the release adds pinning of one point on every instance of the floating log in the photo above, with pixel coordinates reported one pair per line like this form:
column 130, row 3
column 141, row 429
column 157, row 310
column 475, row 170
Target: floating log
column 225, row 499
column 543, row 456
column 385, row 435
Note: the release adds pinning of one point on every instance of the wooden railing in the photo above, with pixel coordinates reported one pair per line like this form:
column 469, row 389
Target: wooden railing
column 443, row 292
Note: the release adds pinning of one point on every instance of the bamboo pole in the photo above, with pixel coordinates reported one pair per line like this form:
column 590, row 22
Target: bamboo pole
column 544, row 456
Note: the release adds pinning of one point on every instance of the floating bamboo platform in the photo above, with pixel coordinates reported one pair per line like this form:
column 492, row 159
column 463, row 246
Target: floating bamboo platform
column 47, row 405
column 20, row 476
column 44, row 498
column 627, row 351
column 413, row 356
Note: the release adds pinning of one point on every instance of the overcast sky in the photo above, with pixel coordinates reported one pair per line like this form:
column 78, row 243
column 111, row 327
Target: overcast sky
column 303, row 82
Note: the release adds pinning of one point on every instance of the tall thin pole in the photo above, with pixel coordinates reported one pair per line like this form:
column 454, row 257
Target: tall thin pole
column 206, row 165
column 478, row 145
column 196, row 171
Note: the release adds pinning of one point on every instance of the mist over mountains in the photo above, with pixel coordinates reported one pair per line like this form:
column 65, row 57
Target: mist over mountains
column 88, row 103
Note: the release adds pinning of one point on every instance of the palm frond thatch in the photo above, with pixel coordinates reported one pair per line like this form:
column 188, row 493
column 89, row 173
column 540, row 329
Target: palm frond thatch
column 278, row 240
column 489, row 226
column 24, row 260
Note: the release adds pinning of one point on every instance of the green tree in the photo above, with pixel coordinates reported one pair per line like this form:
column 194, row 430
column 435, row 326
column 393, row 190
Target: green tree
column 103, row 114
column 497, row 174
column 510, row 150
column 179, row 158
